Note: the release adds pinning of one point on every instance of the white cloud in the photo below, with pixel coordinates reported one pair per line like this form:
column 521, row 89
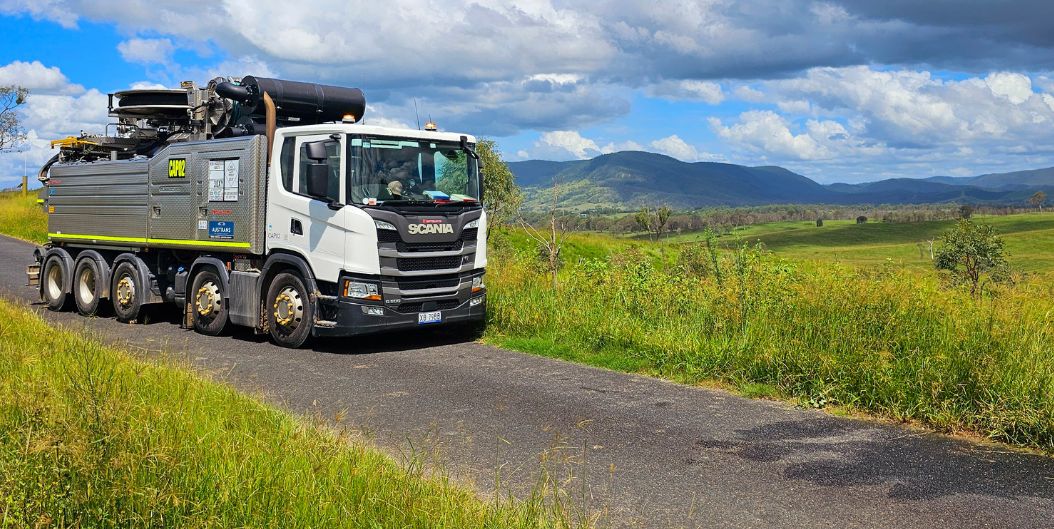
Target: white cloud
column 628, row 145
column 676, row 147
column 749, row 94
column 767, row 132
column 146, row 51
column 37, row 78
column 1015, row 87
column 565, row 144
column 705, row 91
column 522, row 154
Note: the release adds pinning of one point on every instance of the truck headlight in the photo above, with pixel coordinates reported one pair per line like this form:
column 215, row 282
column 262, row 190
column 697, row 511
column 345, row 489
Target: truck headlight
column 384, row 225
column 477, row 283
column 473, row 224
column 361, row 290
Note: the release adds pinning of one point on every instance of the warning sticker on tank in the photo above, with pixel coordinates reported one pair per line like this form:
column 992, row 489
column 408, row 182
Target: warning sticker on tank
column 221, row 229
column 223, row 180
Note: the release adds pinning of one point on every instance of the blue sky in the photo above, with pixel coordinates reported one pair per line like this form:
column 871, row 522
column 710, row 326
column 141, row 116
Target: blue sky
column 840, row 90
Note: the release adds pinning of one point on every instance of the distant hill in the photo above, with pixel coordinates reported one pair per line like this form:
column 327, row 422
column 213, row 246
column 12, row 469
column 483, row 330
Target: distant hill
column 626, row 180
column 1013, row 180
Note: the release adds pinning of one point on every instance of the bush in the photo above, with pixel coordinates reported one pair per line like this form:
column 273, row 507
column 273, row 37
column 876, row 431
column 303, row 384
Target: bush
column 861, row 219
column 972, row 254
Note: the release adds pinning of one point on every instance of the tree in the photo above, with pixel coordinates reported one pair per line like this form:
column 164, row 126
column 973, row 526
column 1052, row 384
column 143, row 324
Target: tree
column 653, row 220
column 861, row 219
column 1037, row 200
column 819, row 223
column 549, row 242
column 11, row 131
column 965, row 211
column 972, row 254
column 501, row 195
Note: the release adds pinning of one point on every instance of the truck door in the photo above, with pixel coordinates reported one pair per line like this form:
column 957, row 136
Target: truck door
column 305, row 224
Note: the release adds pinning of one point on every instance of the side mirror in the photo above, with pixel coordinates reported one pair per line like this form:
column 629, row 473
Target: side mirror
column 318, row 179
column 316, row 150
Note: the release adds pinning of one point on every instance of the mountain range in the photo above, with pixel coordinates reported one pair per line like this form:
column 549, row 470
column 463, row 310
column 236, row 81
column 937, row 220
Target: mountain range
column 628, row 179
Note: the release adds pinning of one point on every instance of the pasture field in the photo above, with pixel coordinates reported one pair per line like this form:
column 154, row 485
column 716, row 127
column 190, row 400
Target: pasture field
column 1029, row 240
column 91, row 436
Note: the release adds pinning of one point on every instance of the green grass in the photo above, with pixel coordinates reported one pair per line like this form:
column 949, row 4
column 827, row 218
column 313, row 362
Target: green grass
column 888, row 340
column 21, row 217
column 91, row 437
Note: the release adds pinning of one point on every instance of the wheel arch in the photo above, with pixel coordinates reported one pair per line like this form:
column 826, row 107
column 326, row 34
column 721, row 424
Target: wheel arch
column 281, row 261
column 145, row 281
column 208, row 261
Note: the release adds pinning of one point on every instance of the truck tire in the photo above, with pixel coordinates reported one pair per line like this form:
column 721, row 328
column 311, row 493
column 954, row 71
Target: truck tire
column 52, row 287
column 88, row 286
column 290, row 311
column 208, row 311
column 126, row 292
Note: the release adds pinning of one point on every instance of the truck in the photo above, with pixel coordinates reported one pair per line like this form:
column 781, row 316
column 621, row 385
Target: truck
column 267, row 204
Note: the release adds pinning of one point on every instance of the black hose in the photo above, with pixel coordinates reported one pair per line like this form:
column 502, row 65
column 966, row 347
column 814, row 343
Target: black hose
column 43, row 174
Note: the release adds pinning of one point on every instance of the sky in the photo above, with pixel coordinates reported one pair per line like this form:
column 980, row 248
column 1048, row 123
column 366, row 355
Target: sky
column 839, row 91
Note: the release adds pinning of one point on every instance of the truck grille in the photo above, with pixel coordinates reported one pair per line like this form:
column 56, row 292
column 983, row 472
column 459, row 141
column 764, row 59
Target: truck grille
column 406, row 247
column 409, row 308
column 469, row 234
column 414, row 264
column 429, row 283
column 388, row 236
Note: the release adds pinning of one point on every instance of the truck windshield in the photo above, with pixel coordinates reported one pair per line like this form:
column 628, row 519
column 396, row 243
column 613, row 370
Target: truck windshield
column 400, row 171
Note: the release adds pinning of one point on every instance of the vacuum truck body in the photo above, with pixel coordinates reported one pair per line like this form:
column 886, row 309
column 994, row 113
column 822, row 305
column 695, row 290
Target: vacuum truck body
column 265, row 204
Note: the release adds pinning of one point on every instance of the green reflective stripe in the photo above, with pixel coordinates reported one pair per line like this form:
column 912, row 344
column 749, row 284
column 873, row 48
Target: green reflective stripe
column 184, row 242
column 199, row 243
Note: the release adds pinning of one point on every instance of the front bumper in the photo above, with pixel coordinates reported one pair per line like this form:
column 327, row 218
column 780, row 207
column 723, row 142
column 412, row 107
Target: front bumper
column 352, row 319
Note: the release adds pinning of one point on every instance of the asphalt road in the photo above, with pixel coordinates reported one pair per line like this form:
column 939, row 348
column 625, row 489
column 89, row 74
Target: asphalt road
column 649, row 452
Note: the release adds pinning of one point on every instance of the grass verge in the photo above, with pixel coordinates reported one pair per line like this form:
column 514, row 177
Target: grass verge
column 885, row 340
column 21, row 217
column 90, row 437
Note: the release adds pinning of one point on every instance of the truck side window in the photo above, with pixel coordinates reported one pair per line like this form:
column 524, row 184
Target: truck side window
column 333, row 149
column 288, row 147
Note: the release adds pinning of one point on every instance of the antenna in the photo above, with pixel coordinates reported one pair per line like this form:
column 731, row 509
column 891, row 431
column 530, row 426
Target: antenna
column 416, row 114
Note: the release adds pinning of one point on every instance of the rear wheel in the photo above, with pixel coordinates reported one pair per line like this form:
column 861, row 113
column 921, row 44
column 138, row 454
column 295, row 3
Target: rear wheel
column 54, row 288
column 126, row 292
column 87, row 286
column 290, row 312
column 209, row 313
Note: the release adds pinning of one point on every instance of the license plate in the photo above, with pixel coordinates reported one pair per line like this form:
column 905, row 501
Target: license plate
column 429, row 317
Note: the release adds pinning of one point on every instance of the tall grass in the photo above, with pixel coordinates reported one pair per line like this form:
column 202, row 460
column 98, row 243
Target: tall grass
column 90, row 437
column 886, row 340
column 21, row 217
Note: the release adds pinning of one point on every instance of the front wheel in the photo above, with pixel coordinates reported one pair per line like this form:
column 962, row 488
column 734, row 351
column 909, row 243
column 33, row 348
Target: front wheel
column 290, row 311
column 209, row 311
